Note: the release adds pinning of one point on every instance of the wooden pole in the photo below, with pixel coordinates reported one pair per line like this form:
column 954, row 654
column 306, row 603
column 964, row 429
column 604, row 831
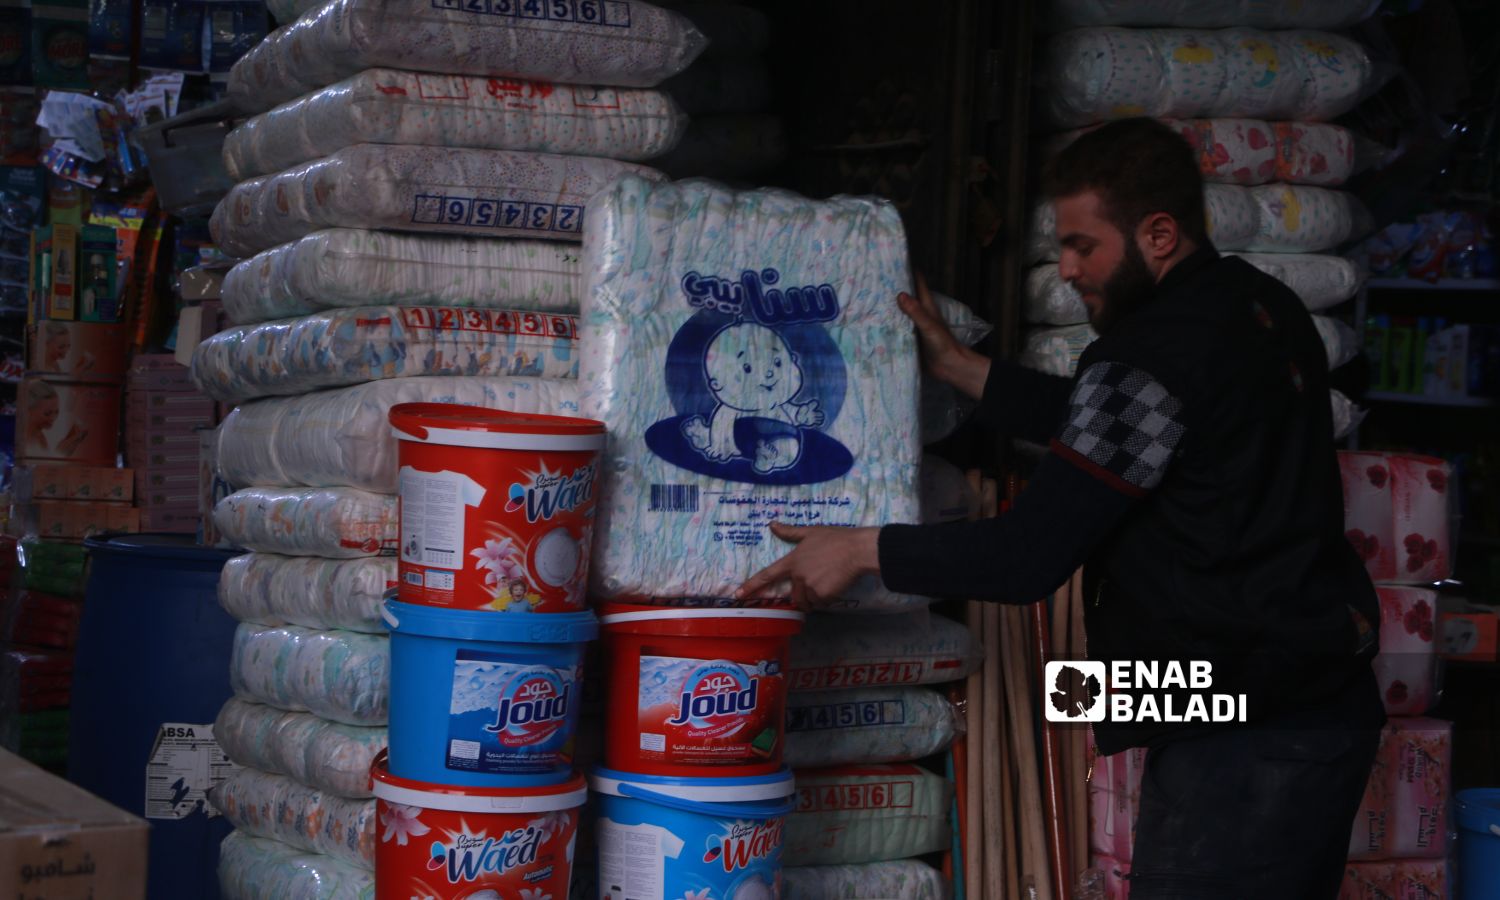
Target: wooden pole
column 977, row 845
column 1034, row 867
column 1058, row 853
column 994, row 653
column 1078, row 764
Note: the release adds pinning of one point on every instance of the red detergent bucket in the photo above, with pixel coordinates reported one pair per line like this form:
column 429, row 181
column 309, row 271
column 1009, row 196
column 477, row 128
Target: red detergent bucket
column 497, row 508
column 453, row 843
column 696, row 692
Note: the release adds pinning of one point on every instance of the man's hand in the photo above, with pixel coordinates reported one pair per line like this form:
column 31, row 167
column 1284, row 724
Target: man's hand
column 820, row 568
column 946, row 359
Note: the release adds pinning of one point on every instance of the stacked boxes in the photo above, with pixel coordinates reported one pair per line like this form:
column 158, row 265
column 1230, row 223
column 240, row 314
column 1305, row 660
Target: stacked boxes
column 163, row 414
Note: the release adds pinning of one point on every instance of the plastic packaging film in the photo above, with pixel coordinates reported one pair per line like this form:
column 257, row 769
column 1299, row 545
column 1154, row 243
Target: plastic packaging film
column 445, row 190
column 328, row 756
column 276, row 807
column 341, row 437
column 336, row 348
column 343, row 267
column 902, row 811
column 870, row 725
column 848, row 652
column 252, row 868
column 337, row 523
column 630, row 44
column 269, row 589
column 336, row 675
column 909, row 879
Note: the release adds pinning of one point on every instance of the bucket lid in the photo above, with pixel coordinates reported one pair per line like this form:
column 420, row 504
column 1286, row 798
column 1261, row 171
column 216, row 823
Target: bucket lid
column 457, row 425
column 776, row 786
column 1479, row 810
column 496, row 627
column 540, row 798
column 622, row 614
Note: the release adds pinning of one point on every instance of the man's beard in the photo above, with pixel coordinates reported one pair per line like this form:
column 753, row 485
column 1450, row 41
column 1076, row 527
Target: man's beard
column 1129, row 288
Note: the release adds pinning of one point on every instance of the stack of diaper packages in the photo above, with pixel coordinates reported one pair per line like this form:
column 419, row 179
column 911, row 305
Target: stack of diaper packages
column 1253, row 104
column 1114, row 803
column 1399, row 517
column 746, row 353
column 727, row 92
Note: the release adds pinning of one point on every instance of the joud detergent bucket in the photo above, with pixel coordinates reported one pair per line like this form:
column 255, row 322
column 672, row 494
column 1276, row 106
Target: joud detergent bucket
column 483, row 700
column 664, row 838
column 696, row 692
column 453, row 843
column 497, row 508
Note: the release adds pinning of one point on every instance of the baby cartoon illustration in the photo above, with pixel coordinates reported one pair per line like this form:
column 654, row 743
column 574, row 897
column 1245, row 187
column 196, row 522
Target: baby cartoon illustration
column 752, row 372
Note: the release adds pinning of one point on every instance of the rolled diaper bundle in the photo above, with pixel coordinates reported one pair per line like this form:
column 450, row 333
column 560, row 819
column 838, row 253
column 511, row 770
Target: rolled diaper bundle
column 585, row 42
column 338, row 523
column 909, row 879
column 869, row 725
column 844, row 653
column 328, row 756
column 337, row 675
column 444, row 190
column 867, row 814
column 368, row 343
column 342, row 438
column 340, row 267
column 745, row 354
column 1099, row 74
column 386, row 106
column 269, row 589
column 252, row 868
column 276, row 807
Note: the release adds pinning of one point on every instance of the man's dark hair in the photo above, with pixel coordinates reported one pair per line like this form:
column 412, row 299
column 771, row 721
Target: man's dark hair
column 1137, row 167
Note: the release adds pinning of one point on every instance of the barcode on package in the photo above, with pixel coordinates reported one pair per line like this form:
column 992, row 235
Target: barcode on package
column 485, row 212
column 674, row 498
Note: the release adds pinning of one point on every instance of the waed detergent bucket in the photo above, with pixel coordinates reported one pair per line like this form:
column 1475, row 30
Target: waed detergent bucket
column 696, row 692
column 453, row 843
column 664, row 838
column 482, row 700
column 497, row 508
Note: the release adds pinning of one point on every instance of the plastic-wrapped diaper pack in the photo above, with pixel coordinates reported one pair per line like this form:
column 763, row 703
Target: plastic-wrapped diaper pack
column 869, row 725
column 1396, row 515
column 1097, row 74
column 342, row 437
column 630, row 44
column 847, row 652
column 445, row 190
column 268, row 589
column 252, row 868
column 276, row 807
column 909, row 879
column 338, row 523
column 340, row 347
column 386, row 106
column 863, row 814
column 1320, row 281
column 336, row 675
column 329, row 756
column 1063, row 14
column 747, row 357
column 1253, row 151
column 1407, row 666
column 340, row 267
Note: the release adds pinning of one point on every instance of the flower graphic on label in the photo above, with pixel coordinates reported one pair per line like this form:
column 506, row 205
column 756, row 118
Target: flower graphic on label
column 536, row 894
column 1438, row 479
column 500, row 560
column 1377, row 475
column 704, row 894
column 552, row 824
column 1419, row 552
column 1366, row 545
column 401, row 822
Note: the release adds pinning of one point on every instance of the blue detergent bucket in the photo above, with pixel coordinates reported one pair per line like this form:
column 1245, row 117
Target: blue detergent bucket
column 681, row 837
column 481, row 700
column 1478, row 843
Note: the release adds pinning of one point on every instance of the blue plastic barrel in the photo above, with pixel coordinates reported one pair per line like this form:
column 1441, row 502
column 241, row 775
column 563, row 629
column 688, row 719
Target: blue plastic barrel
column 153, row 648
column 1478, row 843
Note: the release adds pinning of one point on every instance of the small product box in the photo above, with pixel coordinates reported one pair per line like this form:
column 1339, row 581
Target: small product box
column 98, row 292
column 54, row 272
column 78, row 349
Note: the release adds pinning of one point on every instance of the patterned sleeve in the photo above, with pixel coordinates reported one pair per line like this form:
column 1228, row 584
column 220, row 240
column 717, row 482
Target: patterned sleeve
column 1122, row 427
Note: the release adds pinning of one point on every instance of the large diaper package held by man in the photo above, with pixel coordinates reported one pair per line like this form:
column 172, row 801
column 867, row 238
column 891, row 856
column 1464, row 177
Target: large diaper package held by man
column 443, row 190
column 339, row 267
column 747, row 355
column 631, row 44
column 386, row 106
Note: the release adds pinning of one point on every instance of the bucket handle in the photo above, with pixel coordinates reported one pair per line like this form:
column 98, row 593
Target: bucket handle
column 739, row 811
column 390, row 617
column 1495, row 830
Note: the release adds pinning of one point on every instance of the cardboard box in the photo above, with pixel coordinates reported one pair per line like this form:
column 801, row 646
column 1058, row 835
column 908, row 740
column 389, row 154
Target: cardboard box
column 158, row 372
column 73, row 519
column 155, row 460
column 174, row 521
column 67, row 421
column 79, row 349
column 55, row 481
column 98, row 293
column 54, row 272
column 59, row 842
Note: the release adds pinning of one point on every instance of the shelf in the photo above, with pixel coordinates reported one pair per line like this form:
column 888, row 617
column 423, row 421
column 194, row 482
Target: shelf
column 1424, row 400
column 1418, row 284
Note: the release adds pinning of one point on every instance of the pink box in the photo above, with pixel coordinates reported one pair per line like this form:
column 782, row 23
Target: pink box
column 1407, row 665
column 1422, row 790
column 1421, row 879
column 1368, row 881
column 1420, row 498
column 1372, row 823
column 1369, row 511
column 1114, row 802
